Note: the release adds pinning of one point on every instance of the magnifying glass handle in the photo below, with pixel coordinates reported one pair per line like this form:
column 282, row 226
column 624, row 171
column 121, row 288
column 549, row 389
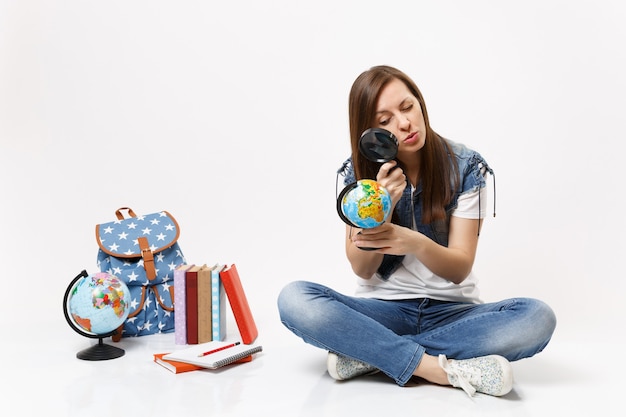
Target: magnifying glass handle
column 366, row 248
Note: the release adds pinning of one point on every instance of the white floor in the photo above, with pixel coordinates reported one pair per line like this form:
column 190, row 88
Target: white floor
column 42, row 375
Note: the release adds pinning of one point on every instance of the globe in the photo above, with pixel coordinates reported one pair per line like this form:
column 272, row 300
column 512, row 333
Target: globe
column 364, row 204
column 95, row 306
column 99, row 303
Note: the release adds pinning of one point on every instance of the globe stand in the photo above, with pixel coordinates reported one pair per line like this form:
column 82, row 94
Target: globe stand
column 100, row 352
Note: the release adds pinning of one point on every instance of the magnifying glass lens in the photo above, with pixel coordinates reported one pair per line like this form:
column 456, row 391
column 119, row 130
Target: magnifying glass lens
column 378, row 145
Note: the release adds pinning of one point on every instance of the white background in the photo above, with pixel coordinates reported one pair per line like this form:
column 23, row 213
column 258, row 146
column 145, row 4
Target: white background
column 232, row 116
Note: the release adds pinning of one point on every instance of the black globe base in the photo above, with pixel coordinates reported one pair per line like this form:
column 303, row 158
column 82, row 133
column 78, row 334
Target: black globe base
column 100, row 352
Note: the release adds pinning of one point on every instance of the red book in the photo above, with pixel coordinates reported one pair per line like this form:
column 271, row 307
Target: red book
column 191, row 288
column 180, row 367
column 175, row 366
column 239, row 304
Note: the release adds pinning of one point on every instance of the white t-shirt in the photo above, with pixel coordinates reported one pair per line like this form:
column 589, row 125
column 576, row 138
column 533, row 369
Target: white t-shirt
column 413, row 279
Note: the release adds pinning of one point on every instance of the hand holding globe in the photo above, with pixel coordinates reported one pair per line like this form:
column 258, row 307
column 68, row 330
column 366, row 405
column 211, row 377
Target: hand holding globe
column 366, row 203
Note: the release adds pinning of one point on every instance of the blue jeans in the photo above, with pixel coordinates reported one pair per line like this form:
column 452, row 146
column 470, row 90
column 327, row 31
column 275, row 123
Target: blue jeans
column 394, row 335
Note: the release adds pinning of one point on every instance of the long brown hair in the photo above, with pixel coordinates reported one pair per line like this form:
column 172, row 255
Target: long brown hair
column 438, row 169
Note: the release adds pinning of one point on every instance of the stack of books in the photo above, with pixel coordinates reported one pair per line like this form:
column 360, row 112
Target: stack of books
column 201, row 296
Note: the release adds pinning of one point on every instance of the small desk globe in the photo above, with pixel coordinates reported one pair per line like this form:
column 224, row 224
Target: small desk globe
column 95, row 306
column 364, row 204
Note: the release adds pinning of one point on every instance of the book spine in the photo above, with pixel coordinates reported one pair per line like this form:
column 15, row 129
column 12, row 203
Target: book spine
column 180, row 306
column 174, row 366
column 192, row 306
column 239, row 304
column 218, row 316
column 204, row 305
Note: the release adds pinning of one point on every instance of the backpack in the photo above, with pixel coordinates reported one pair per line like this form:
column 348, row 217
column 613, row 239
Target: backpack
column 143, row 252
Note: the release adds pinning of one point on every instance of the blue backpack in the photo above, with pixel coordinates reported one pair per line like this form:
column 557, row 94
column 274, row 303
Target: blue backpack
column 143, row 252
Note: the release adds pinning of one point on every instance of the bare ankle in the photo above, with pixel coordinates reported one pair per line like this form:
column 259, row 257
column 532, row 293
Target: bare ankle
column 430, row 370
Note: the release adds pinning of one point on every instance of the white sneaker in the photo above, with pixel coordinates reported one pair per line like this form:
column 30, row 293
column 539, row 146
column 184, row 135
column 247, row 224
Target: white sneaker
column 342, row 368
column 491, row 374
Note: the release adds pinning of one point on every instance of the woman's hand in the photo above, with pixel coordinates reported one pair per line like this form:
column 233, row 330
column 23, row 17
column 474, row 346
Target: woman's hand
column 391, row 176
column 387, row 238
column 365, row 262
column 453, row 262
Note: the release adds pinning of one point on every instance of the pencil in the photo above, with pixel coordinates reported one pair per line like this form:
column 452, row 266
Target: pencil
column 218, row 349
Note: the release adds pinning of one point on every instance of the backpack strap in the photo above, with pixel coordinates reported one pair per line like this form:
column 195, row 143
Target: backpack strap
column 120, row 216
column 160, row 299
column 148, row 258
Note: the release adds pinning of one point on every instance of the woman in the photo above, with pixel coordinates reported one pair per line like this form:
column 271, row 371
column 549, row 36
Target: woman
column 417, row 310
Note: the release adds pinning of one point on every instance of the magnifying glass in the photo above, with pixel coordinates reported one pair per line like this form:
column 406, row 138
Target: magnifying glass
column 378, row 145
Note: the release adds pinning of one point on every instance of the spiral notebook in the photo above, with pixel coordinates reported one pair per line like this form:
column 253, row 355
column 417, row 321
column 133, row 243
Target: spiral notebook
column 213, row 355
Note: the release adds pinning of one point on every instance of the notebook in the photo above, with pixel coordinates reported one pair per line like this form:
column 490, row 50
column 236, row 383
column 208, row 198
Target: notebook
column 224, row 353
